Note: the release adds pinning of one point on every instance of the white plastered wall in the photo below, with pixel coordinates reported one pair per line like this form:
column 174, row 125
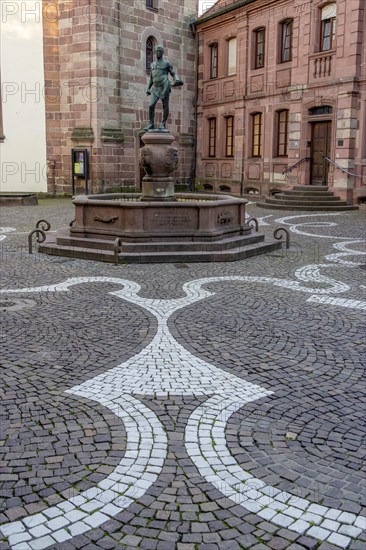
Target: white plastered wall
column 23, row 152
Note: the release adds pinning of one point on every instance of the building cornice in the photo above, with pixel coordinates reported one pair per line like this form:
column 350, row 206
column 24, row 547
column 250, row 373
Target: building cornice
column 222, row 11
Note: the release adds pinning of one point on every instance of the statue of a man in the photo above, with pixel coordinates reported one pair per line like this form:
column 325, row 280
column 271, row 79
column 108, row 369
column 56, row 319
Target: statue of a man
column 159, row 80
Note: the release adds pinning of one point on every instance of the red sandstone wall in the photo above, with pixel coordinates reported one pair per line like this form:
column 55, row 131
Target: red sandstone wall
column 95, row 65
column 297, row 85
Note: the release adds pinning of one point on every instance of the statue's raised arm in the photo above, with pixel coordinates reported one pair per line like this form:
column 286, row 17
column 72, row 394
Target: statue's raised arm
column 159, row 86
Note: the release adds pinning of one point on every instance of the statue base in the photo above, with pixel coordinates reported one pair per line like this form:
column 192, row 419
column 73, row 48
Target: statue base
column 159, row 159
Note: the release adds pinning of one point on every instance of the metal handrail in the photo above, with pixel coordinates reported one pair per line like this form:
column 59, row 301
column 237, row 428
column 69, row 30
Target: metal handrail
column 290, row 168
column 339, row 167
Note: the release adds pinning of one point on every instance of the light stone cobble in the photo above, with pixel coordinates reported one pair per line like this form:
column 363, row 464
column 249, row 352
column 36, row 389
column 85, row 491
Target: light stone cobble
column 173, row 375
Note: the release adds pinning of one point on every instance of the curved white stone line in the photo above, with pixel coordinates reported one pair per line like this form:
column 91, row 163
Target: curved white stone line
column 312, row 273
column 143, row 461
column 307, row 274
column 5, row 230
column 64, row 286
column 295, row 227
column 345, row 251
column 206, row 445
column 261, row 221
column 193, row 289
column 161, row 369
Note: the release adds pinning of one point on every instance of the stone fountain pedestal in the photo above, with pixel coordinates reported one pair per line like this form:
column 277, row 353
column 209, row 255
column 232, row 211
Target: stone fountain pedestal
column 157, row 226
column 159, row 160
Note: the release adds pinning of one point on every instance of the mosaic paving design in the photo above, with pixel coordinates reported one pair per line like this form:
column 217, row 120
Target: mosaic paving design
column 170, row 368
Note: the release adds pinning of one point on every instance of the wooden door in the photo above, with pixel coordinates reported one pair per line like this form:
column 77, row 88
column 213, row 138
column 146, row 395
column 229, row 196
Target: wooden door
column 320, row 146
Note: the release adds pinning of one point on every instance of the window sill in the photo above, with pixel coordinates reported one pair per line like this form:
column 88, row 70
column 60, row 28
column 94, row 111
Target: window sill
column 322, row 53
column 151, row 8
column 217, row 158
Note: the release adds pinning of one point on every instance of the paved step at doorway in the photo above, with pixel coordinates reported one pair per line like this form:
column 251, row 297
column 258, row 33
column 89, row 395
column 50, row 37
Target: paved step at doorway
column 307, row 197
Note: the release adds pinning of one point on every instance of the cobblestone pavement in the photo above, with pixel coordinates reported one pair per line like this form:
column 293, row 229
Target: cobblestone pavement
column 202, row 406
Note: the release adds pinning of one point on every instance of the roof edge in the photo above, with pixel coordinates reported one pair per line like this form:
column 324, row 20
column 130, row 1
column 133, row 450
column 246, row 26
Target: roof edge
column 223, row 10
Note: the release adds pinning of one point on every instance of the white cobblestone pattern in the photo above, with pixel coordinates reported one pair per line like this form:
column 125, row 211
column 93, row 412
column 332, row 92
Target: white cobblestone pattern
column 165, row 368
column 140, row 467
column 206, row 444
column 295, row 227
column 345, row 251
column 4, row 231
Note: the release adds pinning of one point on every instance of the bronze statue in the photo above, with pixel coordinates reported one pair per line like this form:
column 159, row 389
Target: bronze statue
column 159, row 80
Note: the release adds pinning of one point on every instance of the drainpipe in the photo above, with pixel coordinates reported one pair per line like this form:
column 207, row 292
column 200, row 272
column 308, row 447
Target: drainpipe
column 194, row 162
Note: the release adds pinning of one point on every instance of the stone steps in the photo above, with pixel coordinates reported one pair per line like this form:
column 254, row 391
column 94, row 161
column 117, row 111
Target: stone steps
column 300, row 195
column 231, row 249
column 289, row 206
column 65, row 239
column 308, row 193
column 306, row 197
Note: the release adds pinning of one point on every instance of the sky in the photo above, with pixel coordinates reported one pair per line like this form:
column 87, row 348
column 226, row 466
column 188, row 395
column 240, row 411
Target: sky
column 205, row 5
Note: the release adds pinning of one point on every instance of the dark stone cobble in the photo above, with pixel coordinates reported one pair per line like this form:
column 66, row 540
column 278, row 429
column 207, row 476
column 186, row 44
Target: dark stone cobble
column 305, row 438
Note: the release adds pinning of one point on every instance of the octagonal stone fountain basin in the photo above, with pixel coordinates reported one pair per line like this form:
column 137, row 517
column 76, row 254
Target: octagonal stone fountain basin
column 190, row 217
column 121, row 228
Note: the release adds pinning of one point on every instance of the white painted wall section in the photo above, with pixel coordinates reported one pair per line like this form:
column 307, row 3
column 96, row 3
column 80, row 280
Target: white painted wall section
column 23, row 153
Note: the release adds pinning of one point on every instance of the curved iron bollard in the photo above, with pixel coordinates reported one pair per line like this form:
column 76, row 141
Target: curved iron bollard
column 45, row 227
column 41, row 237
column 117, row 249
column 256, row 225
column 277, row 235
column 73, row 222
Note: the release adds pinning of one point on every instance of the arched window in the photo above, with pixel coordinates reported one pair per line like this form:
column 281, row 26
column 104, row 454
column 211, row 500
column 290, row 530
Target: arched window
column 328, row 27
column 231, row 56
column 150, row 43
column 286, row 40
column 282, row 132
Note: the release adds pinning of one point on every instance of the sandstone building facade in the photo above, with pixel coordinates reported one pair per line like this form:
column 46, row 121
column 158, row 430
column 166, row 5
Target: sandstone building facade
column 90, row 88
column 282, row 83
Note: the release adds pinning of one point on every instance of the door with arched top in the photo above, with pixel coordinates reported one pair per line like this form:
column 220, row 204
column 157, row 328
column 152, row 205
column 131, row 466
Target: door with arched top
column 320, row 147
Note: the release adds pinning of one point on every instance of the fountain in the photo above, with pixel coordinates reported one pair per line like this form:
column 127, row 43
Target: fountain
column 158, row 225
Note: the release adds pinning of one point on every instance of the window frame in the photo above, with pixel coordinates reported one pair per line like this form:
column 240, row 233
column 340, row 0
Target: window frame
column 151, row 5
column 214, row 58
column 328, row 26
column 332, row 21
column 255, row 125
column 229, row 141
column 284, row 133
column 212, row 134
column 288, row 23
column 234, row 68
column 150, row 39
column 257, row 43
